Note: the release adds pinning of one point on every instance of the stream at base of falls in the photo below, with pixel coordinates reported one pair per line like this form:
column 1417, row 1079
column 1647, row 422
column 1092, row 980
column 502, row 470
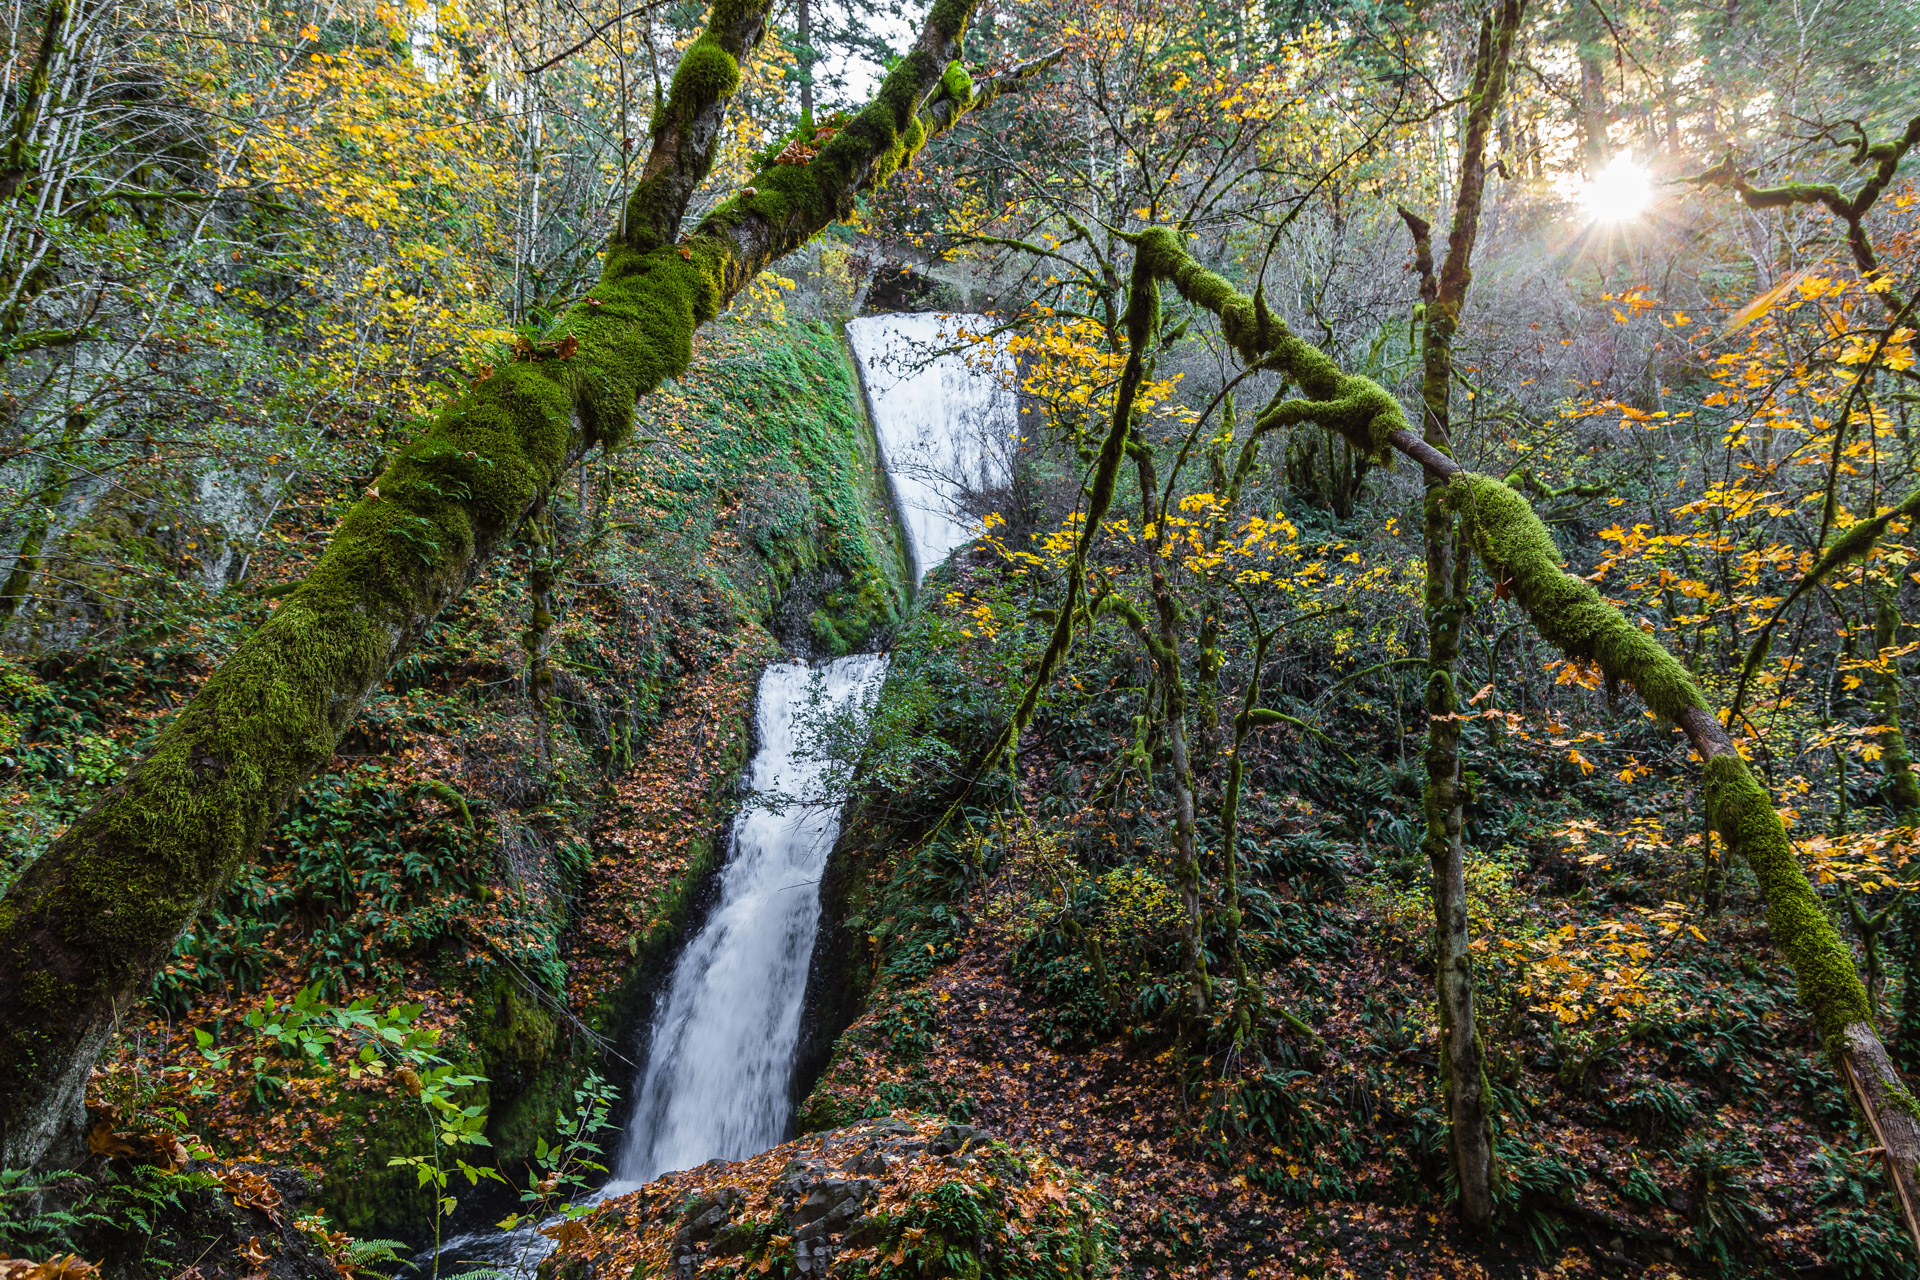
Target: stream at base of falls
column 718, row 1076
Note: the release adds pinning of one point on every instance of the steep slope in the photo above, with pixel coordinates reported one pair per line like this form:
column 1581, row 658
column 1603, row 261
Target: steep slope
column 1011, row 954
column 512, row 840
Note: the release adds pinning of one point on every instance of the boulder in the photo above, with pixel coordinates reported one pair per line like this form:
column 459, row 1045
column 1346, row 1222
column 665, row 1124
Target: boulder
column 910, row 1195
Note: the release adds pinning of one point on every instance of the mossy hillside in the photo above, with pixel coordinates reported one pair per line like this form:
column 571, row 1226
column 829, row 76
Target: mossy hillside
column 877, row 500
column 615, row 1011
column 134, row 873
column 780, row 435
column 770, row 411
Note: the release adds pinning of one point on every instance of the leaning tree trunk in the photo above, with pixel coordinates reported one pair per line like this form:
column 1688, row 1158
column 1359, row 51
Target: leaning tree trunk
column 1903, row 793
column 83, row 931
column 1569, row 613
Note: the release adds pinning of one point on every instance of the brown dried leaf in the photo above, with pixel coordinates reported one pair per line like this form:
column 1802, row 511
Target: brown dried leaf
column 252, row 1191
column 69, row 1266
column 103, row 1141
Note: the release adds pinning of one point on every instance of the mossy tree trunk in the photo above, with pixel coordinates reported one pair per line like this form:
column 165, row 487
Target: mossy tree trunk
column 1903, row 793
column 1470, row 1137
column 1247, row 994
column 1568, row 611
column 542, row 572
column 1164, row 645
column 803, row 54
column 85, row 928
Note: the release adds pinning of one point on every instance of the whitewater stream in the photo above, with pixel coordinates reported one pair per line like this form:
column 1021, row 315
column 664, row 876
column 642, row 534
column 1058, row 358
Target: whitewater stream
column 720, row 1061
column 719, row 1052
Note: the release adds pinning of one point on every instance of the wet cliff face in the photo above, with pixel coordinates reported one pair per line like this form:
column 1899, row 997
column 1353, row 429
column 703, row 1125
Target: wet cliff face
column 523, row 874
column 946, row 421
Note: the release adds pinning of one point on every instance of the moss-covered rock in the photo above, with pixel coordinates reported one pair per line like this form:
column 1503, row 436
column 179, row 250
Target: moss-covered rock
column 900, row 1196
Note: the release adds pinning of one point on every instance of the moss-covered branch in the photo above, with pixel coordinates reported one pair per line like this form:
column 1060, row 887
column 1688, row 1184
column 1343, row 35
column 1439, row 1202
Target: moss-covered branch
column 85, row 928
column 1569, row 612
column 1885, row 157
column 1357, row 407
column 1857, row 541
column 1903, row 792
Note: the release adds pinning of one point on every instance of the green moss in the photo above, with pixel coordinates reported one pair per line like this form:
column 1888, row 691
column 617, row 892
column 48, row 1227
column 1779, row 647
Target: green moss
column 1743, row 813
column 516, row 1126
column 956, row 83
column 1568, row 611
column 1571, row 615
column 361, row 1193
column 706, row 72
column 514, row 1033
column 1358, row 408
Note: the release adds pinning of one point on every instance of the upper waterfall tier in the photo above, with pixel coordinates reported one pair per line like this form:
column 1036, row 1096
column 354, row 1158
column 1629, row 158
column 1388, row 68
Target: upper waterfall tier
column 947, row 421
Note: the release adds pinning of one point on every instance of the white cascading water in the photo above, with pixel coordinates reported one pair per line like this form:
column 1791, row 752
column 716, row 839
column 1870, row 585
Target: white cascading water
column 720, row 1058
column 719, row 1053
column 947, row 423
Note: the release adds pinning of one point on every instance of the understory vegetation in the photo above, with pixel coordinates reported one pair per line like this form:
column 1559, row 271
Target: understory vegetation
column 448, row 931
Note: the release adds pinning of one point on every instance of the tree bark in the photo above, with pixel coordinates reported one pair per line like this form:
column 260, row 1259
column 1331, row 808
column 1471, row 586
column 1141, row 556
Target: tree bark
column 85, row 928
column 803, row 32
column 1247, row 995
column 1903, row 794
column 1470, row 1133
column 1165, row 648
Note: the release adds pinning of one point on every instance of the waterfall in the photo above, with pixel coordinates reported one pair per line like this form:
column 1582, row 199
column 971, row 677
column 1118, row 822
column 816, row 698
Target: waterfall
column 947, row 423
column 719, row 1052
column 720, row 1057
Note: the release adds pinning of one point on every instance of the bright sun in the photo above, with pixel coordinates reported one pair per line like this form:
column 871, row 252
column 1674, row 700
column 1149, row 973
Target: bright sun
column 1620, row 191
